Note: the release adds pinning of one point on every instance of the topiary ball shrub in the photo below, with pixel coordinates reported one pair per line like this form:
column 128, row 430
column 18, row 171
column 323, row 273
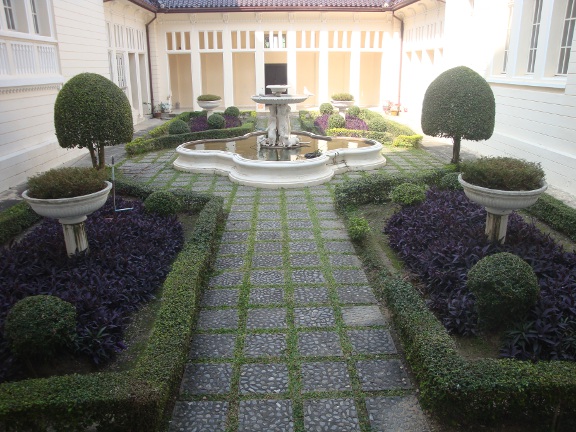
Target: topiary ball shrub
column 326, row 108
column 162, row 202
column 408, row 194
column 503, row 173
column 40, row 326
column 66, row 182
column 178, row 127
column 377, row 124
column 216, row 121
column 505, row 287
column 450, row 182
column 92, row 112
column 232, row 111
column 336, row 121
column 354, row 111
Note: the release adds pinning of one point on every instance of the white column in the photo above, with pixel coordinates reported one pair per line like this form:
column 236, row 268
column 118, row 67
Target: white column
column 292, row 66
column 228, row 66
column 323, row 68
column 259, row 62
column 354, row 84
column 140, row 107
column 195, row 67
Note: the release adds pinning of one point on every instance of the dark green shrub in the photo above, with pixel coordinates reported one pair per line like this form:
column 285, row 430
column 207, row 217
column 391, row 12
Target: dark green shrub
column 556, row 214
column 342, row 97
column 505, row 287
column 326, row 108
column 178, row 127
column 216, row 121
column 367, row 115
column 208, row 97
column 408, row 193
column 354, row 111
column 162, row 202
column 336, row 121
column 358, row 228
column 66, row 182
column 39, row 326
column 15, row 220
column 450, row 182
column 413, row 141
column 92, row 112
column 503, row 173
column 232, row 111
column 377, row 124
column 459, row 104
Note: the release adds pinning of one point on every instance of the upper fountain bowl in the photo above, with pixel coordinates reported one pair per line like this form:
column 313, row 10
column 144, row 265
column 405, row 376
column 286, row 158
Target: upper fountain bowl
column 277, row 97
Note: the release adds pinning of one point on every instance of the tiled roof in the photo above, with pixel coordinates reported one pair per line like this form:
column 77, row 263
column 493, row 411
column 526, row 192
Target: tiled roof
column 296, row 4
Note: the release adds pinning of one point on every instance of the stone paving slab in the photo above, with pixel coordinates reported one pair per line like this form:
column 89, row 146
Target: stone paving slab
column 199, row 416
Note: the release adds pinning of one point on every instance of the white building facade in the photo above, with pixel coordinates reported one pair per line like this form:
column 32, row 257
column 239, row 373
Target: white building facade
column 380, row 51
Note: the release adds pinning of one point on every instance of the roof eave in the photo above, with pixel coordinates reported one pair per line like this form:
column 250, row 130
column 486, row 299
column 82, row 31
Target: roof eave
column 275, row 9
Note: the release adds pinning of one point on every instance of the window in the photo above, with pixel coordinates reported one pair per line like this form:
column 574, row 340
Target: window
column 567, row 35
column 507, row 44
column 9, row 12
column 537, row 16
column 35, row 21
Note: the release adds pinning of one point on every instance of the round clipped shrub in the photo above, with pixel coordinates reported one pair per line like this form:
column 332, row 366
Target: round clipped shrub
column 408, row 194
column 39, row 326
column 336, row 121
column 377, row 124
column 162, row 202
column 92, row 112
column 178, row 127
column 232, row 111
column 326, row 108
column 354, row 111
column 216, row 121
column 459, row 104
column 450, row 182
column 505, row 287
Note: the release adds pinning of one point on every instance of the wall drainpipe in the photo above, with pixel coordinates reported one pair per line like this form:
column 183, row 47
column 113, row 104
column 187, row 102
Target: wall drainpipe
column 401, row 55
column 150, row 62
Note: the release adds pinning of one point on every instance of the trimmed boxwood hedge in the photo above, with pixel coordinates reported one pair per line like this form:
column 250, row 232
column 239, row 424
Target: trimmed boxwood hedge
column 15, row 220
column 471, row 392
column 556, row 214
column 158, row 138
column 134, row 399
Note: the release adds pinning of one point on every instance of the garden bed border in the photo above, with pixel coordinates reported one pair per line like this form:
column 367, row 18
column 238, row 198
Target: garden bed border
column 134, row 399
column 485, row 391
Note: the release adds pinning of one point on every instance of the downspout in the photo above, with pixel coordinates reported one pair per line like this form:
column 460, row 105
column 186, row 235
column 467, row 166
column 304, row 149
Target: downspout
column 401, row 55
column 150, row 62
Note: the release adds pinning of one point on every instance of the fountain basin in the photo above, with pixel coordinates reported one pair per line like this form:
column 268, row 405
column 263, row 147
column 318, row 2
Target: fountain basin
column 279, row 173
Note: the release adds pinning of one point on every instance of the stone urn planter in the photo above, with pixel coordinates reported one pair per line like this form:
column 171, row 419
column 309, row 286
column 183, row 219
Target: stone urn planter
column 209, row 105
column 71, row 213
column 342, row 106
column 499, row 204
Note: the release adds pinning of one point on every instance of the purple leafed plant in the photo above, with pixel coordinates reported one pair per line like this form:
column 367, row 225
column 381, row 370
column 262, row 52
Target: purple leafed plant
column 354, row 123
column 442, row 238
column 130, row 256
column 321, row 123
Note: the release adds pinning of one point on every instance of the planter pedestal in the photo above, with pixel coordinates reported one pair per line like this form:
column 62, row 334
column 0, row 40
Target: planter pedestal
column 71, row 213
column 499, row 204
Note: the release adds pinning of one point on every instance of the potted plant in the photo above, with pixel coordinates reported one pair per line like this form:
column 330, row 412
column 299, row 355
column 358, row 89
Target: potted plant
column 395, row 109
column 157, row 111
column 501, row 185
column 209, row 102
column 69, row 194
column 342, row 101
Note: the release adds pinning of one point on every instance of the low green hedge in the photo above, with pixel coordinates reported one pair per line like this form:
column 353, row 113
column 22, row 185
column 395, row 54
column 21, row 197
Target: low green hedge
column 469, row 392
column 407, row 141
column 556, row 214
column 134, row 399
column 382, row 137
column 158, row 138
column 15, row 220
column 376, row 188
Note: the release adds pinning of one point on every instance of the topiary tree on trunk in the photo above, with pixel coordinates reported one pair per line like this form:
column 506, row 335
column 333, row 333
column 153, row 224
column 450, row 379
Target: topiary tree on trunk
column 459, row 104
column 92, row 112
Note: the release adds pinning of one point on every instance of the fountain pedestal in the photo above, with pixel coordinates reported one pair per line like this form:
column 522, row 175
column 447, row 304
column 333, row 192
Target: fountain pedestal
column 278, row 131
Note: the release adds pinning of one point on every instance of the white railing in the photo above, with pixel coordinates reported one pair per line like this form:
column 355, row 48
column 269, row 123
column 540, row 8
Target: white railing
column 18, row 59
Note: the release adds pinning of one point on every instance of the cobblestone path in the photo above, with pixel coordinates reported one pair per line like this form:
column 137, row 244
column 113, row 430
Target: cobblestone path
column 289, row 336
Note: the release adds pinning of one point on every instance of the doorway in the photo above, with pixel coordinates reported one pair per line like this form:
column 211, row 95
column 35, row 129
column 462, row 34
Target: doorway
column 275, row 73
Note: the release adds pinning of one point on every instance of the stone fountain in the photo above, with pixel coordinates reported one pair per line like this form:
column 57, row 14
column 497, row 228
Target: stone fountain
column 278, row 133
